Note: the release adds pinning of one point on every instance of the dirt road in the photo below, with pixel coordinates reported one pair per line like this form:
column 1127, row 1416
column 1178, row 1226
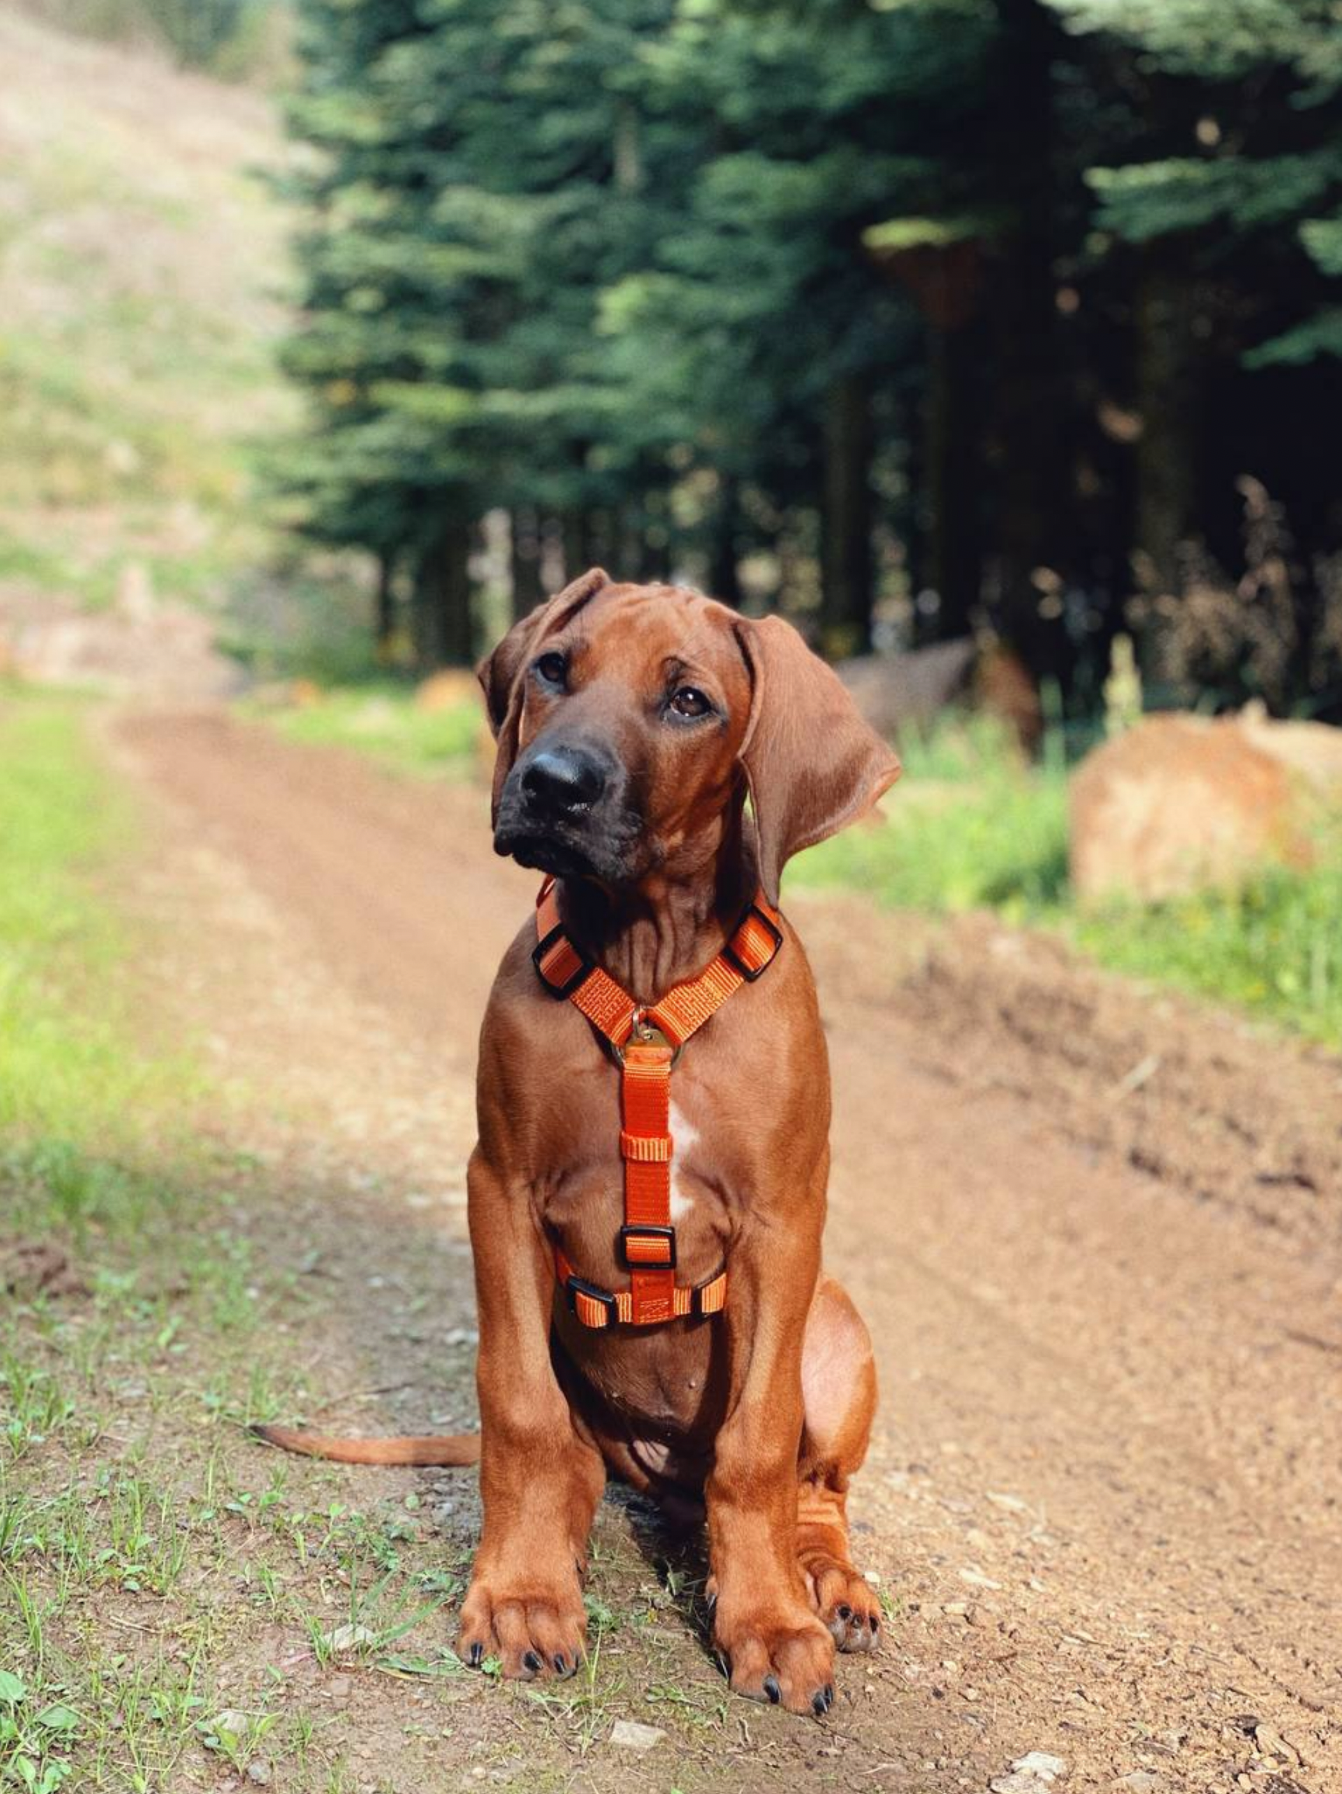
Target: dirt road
column 1097, row 1234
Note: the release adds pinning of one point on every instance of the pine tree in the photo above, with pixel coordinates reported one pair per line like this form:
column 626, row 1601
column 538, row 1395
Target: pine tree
column 987, row 304
column 763, row 339
column 374, row 252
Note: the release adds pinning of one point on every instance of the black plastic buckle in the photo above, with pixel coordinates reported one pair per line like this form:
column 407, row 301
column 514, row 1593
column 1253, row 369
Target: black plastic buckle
column 576, row 1287
column 583, row 973
column 662, row 1233
column 753, row 909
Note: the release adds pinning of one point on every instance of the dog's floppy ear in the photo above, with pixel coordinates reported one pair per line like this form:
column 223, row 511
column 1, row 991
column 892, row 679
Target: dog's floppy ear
column 500, row 672
column 811, row 763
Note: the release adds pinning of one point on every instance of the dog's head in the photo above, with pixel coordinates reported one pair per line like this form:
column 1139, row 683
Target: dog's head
column 628, row 718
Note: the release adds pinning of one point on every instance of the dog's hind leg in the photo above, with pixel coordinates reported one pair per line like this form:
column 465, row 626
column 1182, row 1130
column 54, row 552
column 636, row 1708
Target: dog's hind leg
column 839, row 1391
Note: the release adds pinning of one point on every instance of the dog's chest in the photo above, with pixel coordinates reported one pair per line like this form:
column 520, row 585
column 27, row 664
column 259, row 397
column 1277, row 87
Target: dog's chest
column 584, row 1205
column 684, row 1142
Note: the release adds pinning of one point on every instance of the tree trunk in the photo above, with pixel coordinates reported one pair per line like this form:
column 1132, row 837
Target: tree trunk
column 657, row 536
column 846, row 590
column 578, row 544
column 528, row 545
column 444, row 633
column 630, row 542
column 1167, row 404
column 384, row 606
column 724, row 573
column 1030, row 473
column 953, row 556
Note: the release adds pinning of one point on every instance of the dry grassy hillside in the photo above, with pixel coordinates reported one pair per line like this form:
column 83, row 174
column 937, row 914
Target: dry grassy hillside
column 142, row 273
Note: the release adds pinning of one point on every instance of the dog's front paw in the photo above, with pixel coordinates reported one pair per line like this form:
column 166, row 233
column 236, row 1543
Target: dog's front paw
column 785, row 1657
column 531, row 1631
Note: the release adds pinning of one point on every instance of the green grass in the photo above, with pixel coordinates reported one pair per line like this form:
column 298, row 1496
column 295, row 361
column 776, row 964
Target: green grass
column 971, row 828
column 382, row 720
column 127, row 1495
column 96, row 1164
column 967, row 827
column 34, row 563
column 1274, row 947
column 67, row 1080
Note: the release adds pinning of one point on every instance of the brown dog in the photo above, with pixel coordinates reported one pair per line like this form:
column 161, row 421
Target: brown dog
column 631, row 723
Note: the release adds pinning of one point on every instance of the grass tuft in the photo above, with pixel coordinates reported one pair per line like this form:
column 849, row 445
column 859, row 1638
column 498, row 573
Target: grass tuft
column 1273, row 947
column 382, row 720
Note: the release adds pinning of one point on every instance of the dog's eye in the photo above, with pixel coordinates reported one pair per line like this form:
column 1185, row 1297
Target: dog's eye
column 689, row 701
column 552, row 668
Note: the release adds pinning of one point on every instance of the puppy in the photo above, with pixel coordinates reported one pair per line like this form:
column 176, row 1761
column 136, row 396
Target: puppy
column 647, row 1196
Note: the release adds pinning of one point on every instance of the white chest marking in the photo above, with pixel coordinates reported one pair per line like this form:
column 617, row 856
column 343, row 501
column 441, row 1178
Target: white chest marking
column 683, row 1137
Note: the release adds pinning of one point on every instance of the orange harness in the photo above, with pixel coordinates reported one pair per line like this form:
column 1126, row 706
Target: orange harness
column 647, row 1043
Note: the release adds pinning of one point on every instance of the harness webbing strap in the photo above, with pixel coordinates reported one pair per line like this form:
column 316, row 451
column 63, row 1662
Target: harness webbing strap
column 647, row 1239
column 602, row 1308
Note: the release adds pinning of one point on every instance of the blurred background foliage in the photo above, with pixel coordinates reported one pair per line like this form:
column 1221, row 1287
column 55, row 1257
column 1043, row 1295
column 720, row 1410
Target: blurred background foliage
column 916, row 319
column 235, row 39
column 913, row 318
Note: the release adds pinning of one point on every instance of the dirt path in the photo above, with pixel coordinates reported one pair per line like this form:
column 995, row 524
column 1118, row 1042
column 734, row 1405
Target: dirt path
column 1097, row 1235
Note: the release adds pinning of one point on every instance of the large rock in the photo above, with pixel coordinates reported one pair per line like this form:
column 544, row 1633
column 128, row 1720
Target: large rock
column 1314, row 750
column 1182, row 803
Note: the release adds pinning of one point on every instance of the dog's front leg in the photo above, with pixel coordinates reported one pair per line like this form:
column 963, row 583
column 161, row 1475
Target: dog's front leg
column 776, row 1648
column 539, row 1480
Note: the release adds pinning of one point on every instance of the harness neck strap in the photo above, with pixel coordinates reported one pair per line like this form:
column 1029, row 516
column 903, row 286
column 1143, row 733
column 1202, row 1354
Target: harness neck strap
column 647, row 1042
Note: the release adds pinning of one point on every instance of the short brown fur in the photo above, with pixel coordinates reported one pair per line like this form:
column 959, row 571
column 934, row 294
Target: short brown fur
column 763, row 1411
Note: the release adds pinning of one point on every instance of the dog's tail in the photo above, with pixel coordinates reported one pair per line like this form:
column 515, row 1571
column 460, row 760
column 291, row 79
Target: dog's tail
column 425, row 1448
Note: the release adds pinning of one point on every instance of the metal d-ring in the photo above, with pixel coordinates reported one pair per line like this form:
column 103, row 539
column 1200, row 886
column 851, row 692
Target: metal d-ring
column 646, row 1036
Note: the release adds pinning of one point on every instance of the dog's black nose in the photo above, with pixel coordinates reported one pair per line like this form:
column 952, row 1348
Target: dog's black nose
column 561, row 780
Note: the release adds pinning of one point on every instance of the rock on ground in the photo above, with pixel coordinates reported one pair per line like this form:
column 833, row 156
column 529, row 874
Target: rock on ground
column 1182, row 803
column 1034, row 1773
column 631, row 1734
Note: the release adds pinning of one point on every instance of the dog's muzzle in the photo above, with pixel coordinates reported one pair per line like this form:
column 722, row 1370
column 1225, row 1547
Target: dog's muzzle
column 561, row 812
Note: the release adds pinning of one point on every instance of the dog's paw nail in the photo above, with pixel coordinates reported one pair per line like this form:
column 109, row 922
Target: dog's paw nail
column 829, row 1696
column 560, row 1663
column 772, row 1689
column 724, row 1662
column 531, row 1661
column 818, row 1702
column 476, row 1655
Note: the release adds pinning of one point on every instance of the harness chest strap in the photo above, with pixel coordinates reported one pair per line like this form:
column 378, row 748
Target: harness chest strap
column 647, row 1238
